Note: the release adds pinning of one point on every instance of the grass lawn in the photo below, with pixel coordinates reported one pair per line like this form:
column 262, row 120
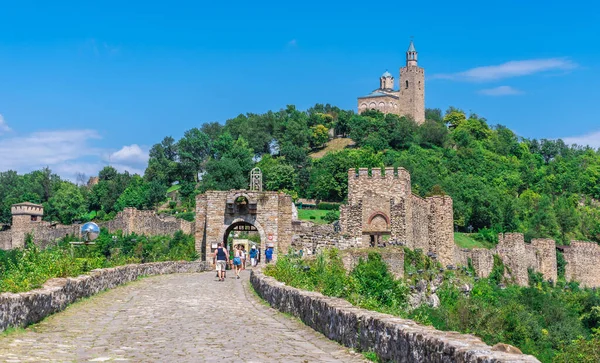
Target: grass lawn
column 465, row 240
column 318, row 215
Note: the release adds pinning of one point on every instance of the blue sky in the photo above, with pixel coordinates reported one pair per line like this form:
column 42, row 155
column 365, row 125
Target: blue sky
column 82, row 85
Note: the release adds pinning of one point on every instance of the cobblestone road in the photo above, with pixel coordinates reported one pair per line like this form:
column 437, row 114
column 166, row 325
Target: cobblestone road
column 172, row 318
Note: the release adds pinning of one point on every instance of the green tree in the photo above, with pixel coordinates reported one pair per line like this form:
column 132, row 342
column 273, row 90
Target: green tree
column 319, row 135
column 194, row 149
column 67, row 204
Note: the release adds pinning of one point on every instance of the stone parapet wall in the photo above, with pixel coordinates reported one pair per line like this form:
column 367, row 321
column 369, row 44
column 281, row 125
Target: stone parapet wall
column 482, row 259
column 313, row 238
column 583, row 263
column 545, row 256
column 391, row 338
column 147, row 222
column 20, row 310
column 5, row 240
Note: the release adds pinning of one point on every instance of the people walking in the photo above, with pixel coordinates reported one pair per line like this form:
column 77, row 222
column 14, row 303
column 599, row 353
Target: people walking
column 237, row 261
column 221, row 259
column 253, row 253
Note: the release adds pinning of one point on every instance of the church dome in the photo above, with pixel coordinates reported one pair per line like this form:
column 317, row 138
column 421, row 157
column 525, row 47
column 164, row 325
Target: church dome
column 386, row 74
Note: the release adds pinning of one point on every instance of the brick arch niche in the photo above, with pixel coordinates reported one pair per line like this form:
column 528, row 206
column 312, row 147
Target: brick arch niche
column 379, row 222
column 219, row 212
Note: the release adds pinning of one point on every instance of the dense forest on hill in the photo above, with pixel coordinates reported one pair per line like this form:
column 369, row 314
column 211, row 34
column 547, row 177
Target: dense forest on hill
column 498, row 180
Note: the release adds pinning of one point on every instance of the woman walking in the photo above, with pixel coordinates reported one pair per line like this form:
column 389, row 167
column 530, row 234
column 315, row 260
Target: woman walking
column 243, row 253
column 237, row 261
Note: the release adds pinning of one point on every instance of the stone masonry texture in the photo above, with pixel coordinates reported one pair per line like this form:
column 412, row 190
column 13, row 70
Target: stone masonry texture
column 130, row 220
column 391, row 338
column 583, row 263
column 217, row 212
column 173, row 318
column 22, row 309
column 380, row 202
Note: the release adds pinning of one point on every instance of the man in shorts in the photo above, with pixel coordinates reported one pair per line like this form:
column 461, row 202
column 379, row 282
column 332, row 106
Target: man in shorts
column 221, row 259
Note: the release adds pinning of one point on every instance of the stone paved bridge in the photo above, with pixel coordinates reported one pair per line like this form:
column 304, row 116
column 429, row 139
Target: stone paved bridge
column 172, row 318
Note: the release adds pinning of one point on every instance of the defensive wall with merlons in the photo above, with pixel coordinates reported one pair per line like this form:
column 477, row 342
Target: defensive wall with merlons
column 382, row 211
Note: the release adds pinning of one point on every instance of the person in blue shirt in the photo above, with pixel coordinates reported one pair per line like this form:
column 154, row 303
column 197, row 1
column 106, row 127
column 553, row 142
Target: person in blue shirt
column 253, row 254
column 269, row 254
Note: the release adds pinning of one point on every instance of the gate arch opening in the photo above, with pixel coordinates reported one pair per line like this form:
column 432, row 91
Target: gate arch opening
column 247, row 234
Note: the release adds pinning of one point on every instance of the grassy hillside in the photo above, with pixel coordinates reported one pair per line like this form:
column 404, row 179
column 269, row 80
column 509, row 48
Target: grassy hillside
column 467, row 240
column 332, row 146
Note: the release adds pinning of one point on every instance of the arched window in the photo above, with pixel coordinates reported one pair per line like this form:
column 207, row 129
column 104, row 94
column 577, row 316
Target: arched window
column 406, row 84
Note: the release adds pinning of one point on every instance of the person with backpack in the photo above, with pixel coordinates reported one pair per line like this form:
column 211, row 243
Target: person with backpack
column 221, row 259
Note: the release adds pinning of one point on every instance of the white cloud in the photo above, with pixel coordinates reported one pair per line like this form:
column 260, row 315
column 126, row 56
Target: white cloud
column 130, row 154
column 500, row 91
column 3, row 126
column 592, row 139
column 67, row 153
column 511, row 69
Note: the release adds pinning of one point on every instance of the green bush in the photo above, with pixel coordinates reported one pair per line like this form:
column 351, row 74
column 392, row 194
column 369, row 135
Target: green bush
column 188, row 216
column 554, row 322
column 328, row 206
column 331, row 216
column 28, row 268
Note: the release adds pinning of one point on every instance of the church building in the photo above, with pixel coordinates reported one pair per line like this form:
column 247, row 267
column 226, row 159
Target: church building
column 408, row 100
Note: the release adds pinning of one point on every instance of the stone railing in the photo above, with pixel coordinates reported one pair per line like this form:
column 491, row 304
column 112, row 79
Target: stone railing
column 20, row 310
column 391, row 338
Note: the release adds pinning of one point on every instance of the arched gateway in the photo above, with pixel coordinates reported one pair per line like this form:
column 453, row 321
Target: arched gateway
column 220, row 212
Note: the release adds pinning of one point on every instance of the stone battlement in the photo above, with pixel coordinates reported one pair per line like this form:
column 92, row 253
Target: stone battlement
column 585, row 247
column 29, row 209
column 387, row 172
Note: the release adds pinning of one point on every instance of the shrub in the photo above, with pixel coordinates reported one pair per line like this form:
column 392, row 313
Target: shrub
column 328, row 206
column 331, row 216
column 188, row 216
column 28, row 268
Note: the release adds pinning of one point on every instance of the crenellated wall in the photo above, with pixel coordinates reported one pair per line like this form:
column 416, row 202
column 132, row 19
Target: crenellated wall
column 380, row 203
column 517, row 256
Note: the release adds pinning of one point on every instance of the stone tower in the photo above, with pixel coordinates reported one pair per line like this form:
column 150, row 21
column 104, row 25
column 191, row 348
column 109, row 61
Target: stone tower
column 412, row 87
column 25, row 216
column 386, row 82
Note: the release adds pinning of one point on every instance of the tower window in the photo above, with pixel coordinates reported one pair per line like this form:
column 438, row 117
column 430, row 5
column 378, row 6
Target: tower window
column 406, row 84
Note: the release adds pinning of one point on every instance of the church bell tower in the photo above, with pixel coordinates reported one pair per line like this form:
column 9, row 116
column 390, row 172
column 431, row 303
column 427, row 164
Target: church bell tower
column 412, row 87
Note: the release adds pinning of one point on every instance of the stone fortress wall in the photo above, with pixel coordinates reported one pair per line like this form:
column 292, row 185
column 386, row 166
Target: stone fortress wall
column 380, row 203
column 219, row 212
column 27, row 219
